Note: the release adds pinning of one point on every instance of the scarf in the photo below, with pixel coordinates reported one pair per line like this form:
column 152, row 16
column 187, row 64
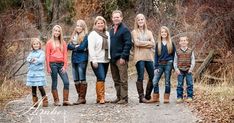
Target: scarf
column 104, row 38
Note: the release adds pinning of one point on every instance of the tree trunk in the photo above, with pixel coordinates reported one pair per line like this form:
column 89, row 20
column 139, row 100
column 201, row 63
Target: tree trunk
column 55, row 10
column 145, row 7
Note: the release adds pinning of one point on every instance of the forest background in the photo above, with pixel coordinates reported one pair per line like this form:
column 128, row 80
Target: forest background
column 208, row 23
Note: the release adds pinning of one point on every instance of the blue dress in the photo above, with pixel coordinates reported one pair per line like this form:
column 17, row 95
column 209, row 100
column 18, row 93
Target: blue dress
column 36, row 73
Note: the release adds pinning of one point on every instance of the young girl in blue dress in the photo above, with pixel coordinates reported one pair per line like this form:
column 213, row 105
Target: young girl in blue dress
column 36, row 75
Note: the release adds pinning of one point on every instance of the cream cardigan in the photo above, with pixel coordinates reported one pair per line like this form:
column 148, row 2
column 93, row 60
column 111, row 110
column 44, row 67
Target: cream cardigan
column 143, row 46
column 96, row 53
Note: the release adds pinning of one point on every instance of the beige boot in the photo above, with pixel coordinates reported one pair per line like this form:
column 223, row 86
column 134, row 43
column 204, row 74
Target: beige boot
column 65, row 98
column 155, row 98
column 100, row 89
column 166, row 98
column 56, row 98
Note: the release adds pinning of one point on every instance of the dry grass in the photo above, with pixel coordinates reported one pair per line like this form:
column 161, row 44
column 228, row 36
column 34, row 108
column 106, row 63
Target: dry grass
column 10, row 90
column 214, row 103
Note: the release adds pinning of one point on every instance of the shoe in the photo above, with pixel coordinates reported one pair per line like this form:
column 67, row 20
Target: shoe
column 115, row 101
column 179, row 100
column 189, row 99
column 122, row 101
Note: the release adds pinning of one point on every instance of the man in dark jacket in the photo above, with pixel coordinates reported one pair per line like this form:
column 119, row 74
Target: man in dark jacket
column 120, row 50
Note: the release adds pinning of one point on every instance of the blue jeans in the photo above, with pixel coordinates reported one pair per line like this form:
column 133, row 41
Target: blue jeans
column 100, row 71
column 79, row 71
column 189, row 82
column 166, row 69
column 141, row 66
column 55, row 70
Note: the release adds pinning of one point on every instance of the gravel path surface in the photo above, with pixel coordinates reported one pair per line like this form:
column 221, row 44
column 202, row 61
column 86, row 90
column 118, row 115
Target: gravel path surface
column 133, row 112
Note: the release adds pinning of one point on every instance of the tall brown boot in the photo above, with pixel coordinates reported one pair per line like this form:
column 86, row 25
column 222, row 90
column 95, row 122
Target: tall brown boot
column 78, row 93
column 65, row 98
column 166, row 98
column 45, row 101
column 100, row 89
column 35, row 101
column 140, row 91
column 155, row 98
column 149, row 89
column 56, row 98
column 82, row 94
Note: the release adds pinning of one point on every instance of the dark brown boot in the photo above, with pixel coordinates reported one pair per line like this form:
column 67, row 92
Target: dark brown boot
column 155, row 98
column 65, row 98
column 45, row 101
column 82, row 94
column 140, row 91
column 78, row 93
column 100, row 89
column 56, row 98
column 35, row 101
column 149, row 89
column 166, row 98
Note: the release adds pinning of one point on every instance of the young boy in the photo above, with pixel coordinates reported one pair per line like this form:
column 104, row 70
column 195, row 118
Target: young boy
column 184, row 62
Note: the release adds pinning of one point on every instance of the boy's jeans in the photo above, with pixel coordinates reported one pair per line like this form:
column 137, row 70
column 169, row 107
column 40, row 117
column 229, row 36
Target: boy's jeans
column 189, row 82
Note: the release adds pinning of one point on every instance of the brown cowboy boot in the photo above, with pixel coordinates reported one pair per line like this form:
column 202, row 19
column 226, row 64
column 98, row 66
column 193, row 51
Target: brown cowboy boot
column 100, row 87
column 56, row 98
column 45, row 101
column 65, row 98
column 140, row 91
column 82, row 94
column 155, row 98
column 35, row 101
column 166, row 98
column 78, row 93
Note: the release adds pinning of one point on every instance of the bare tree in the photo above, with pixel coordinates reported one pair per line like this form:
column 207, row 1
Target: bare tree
column 146, row 7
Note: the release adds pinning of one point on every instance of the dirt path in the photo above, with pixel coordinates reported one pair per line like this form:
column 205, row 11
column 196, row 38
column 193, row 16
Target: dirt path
column 133, row 112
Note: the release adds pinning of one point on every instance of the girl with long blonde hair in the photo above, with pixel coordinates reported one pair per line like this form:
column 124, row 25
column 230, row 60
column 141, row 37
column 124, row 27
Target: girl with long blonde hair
column 163, row 63
column 56, row 62
column 78, row 44
column 143, row 56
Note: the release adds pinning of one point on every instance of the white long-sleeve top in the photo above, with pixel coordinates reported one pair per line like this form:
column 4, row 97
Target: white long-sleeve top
column 96, row 53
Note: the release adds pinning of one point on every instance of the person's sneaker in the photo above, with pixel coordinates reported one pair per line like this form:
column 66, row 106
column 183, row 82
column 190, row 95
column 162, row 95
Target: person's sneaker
column 115, row 101
column 179, row 100
column 122, row 101
column 189, row 99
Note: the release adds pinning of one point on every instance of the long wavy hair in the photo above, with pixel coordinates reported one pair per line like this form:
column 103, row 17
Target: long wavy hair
column 82, row 34
column 168, row 39
column 60, row 38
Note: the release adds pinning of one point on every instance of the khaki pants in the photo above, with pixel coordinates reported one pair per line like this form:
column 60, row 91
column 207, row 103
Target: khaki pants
column 120, row 77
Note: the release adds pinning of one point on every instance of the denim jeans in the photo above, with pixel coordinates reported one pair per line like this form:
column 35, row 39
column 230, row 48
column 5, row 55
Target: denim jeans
column 189, row 82
column 141, row 66
column 79, row 71
column 55, row 70
column 166, row 69
column 100, row 71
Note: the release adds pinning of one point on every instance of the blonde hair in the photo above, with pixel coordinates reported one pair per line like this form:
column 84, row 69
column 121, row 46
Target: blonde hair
column 82, row 34
column 117, row 11
column 33, row 40
column 60, row 37
column 168, row 39
column 136, row 26
column 100, row 18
